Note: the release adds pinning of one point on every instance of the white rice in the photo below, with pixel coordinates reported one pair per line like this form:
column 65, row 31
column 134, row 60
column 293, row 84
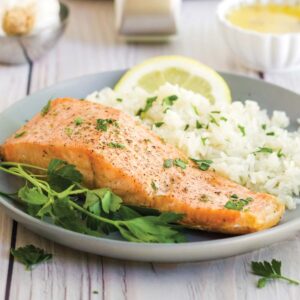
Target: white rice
column 234, row 153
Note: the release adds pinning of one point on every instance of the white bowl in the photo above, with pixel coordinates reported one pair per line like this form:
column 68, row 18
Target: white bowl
column 259, row 51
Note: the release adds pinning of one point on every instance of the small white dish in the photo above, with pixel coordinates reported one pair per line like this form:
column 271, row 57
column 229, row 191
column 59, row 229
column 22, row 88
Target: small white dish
column 259, row 51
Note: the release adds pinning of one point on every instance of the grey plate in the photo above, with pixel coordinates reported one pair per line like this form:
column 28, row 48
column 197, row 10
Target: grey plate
column 201, row 245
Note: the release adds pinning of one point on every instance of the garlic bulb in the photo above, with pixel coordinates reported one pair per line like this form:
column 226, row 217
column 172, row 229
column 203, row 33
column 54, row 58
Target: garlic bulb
column 25, row 17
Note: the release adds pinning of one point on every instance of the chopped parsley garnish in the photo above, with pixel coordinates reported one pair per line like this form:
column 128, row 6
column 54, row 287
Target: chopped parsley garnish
column 270, row 133
column 223, row 119
column 264, row 126
column 119, row 99
column 242, row 130
column 213, row 120
column 153, row 185
column 215, row 112
column 115, row 145
column 280, row 153
column 102, row 124
column 237, row 204
column 149, row 104
column 199, row 125
column 196, row 110
column 203, row 164
column 46, row 108
column 203, row 140
column 95, row 292
column 269, row 271
column 30, row 256
column 264, row 150
column 168, row 163
column 180, row 163
column 78, row 121
column 169, row 101
column 68, row 131
column 159, row 124
column 186, row 127
column 18, row 135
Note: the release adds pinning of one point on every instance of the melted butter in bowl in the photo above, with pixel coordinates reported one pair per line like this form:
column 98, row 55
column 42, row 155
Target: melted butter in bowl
column 268, row 18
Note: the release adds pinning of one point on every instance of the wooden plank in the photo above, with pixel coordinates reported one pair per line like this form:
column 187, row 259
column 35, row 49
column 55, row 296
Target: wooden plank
column 13, row 84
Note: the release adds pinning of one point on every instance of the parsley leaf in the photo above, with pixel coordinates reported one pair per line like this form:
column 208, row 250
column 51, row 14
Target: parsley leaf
column 159, row 124
column 30, row 256
column 269, row 271
column 169, row 101
column 168, row 163
column 61, row 175
column 78, row 121
column 102, row 124
column 46, row 108
column 237, row 204
column 264, row 150
column 18, row 135
column 149, row 104
column 115, row 145
column 242, row 130
column 32, row 195
column 199, row 125
column 203, row 164
column 119, row 99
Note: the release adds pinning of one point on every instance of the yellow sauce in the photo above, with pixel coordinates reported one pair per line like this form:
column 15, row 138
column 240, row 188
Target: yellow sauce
column 269, row 18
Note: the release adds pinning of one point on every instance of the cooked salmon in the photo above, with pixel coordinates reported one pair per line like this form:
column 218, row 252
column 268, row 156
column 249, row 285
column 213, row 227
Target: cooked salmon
column 112, row 149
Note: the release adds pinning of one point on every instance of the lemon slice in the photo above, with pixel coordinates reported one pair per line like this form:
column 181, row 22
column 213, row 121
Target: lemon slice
column 185, row 72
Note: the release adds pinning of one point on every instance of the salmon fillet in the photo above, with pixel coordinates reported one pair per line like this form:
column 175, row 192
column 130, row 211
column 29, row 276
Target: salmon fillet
column 112, row 149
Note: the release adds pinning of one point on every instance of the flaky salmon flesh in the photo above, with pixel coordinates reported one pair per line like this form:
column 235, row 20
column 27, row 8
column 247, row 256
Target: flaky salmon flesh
column 112, row 149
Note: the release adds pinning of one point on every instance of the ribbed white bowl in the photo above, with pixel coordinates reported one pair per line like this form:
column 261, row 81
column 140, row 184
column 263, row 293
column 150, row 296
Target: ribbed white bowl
column 259, row 51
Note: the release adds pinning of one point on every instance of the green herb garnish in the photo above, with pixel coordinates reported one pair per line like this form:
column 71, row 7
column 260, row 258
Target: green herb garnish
column 180, row 163
column 242, row 130
column 46, row 108
column 270, row 133
column 203, row 164
column 264, row 150
column 223, row 119
column 280, row 153
column 63, row 200
column 78, row 121
column 237, row 204
column 18, row 135
column 213, row 120
column 153, row 185
column 159, row 124
column 68, row 131
column 186, row 127
column 203, row 140
column 30, row 256
column 269, row 271
column 102, row 124
column 119, row 99
column 149, row 104
column 215, row 112
column 199, row 125
column 115, row 145
column 196, row 110
column 264, row 126
column 169, row 101
column 168, row 163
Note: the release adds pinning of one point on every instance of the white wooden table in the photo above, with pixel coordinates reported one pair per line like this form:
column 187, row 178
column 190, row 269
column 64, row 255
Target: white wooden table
column 90, row 46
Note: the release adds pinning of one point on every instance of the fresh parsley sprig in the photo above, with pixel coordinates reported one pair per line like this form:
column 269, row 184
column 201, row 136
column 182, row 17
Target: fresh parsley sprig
column 269, row 271
column 57, row 193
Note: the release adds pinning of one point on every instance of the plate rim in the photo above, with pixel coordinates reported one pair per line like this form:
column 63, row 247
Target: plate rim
column 291, row 226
